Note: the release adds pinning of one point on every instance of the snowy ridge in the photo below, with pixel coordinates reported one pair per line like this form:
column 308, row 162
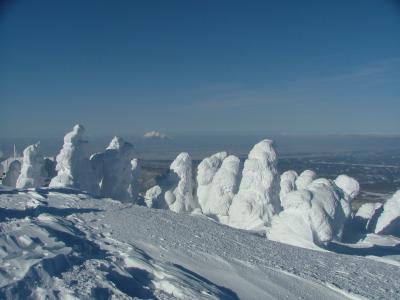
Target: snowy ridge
column 71, row 245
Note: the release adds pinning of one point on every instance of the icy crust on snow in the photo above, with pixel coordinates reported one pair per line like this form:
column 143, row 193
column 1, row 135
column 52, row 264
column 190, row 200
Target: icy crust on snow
column 33, row 173
column 257, row 199
column 117, row 171
column 179, row 185
column 72, row 246
column 316, row 213
column 12, row 173
column 217, row 183
column 73, row 166
column 389, row 220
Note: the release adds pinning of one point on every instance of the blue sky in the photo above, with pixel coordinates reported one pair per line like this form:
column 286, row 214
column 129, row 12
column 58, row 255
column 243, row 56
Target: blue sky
column 125, row 67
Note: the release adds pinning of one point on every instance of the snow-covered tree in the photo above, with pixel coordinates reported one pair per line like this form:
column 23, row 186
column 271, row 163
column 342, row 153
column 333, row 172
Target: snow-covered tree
column 366, row 217
column 257, row 199
column 287, row 184
column 389, row 220
column 206, row 171
column 113, row 169
column 12, row 173
column 224, row 187
column 179, row 185
column 315, row 214
column 153, row 198
column 33, row 173
column 134, row 186
column 73, row 165
column 304, row 179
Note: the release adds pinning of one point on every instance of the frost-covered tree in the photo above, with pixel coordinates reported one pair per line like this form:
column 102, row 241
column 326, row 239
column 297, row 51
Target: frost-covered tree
column 113, row 169
column 389, row 220
column 73, row 166
column 224, row 187
column 11, row 176
column 257, row 199
column 33, row 173
column 315, row 214
column 206, row 171
column 304, row 179
column 179, row 185
column 134, row 186
column 287, row 184
column 153, row 198
column 366, row 217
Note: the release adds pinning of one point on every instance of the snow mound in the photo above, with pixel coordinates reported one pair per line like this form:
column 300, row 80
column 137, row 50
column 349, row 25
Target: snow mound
column 33, row 173
column 73, row 166
column 257, row 199
column 389, row 221
column 12, row 173
column 155, row 135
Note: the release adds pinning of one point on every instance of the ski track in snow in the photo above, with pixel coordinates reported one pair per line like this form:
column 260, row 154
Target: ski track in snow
column 62, row 244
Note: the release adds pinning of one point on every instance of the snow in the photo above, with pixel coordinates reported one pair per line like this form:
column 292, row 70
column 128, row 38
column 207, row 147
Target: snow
column 389, row 220
column 153, row 198
column 33, row 173
column 224, row 187
column 179, row 185
column 305, row 178
column 206, row 171
column 314, row 215
column 73, row 166
column 287, row 184
column 134, row 186
column 348, row 184
column 72, row 246
column 217, row 183
column 257, row 199
column 115, row 171
column 155, row 134
column 12, row 173
column 366, row 217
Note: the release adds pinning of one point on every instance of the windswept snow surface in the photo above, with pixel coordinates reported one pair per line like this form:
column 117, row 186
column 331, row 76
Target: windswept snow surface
column 63, row 244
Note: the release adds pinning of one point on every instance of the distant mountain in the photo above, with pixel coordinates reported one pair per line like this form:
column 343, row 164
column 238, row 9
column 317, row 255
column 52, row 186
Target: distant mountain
column 155, row 135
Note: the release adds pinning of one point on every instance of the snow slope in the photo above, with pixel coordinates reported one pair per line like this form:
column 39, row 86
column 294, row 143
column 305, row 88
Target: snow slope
column 63, row 244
